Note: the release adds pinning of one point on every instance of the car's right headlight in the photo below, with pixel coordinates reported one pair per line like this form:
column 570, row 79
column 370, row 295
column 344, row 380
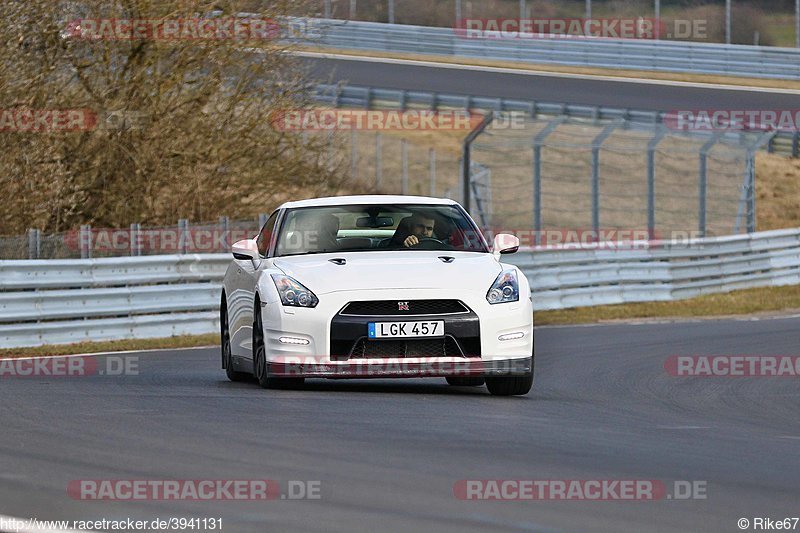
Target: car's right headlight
column 504, row 289
column 293, row 293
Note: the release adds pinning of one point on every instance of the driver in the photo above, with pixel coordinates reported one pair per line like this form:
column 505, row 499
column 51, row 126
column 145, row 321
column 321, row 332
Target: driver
column 421, row 227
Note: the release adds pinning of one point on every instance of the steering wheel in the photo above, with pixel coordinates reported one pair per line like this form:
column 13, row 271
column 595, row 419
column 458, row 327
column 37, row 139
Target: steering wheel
column 428, row 243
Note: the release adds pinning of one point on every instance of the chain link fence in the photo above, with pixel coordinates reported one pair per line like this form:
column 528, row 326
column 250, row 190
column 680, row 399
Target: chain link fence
column 573, row 174
column 538, row 174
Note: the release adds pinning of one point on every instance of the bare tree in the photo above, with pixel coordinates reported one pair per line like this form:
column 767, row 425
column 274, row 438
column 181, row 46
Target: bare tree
column 175, row 127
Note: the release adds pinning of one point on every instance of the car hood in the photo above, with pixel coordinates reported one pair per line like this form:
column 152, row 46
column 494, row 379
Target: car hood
column 392, row 270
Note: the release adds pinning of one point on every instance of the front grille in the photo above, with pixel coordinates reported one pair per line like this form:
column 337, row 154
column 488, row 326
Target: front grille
column 443, row 347
column 415, row 307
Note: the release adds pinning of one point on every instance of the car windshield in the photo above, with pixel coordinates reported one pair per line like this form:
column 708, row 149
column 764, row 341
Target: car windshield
column 369, row 228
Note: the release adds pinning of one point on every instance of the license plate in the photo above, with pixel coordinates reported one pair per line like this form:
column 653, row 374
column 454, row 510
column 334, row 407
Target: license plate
column 394, row 330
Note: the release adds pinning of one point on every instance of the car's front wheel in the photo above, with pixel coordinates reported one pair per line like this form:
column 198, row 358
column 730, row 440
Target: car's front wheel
column 225, row 342
column 260, row 365
column 510, row 385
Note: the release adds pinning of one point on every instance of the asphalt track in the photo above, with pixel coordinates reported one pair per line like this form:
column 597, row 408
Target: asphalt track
column 387, row 453
column 545, row 88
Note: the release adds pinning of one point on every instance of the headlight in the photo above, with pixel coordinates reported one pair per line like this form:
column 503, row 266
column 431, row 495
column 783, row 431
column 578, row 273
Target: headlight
column 504, row 289
column 293, row 293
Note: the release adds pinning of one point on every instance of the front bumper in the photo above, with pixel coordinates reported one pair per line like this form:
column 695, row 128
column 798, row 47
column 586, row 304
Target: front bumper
column 399, row 368
column 330, row 338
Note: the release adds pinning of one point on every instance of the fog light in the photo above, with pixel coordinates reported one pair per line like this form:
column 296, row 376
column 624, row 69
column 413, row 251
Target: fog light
column 292, row 340
column 511, row 336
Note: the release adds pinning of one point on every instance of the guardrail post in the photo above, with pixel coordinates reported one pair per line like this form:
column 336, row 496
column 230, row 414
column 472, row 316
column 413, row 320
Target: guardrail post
column 352, row 9
column 538, row 141
column 404, row 161
column 727, row 21
column 224, row 227
column 183, row 236
column 703, row 185
column 651, row 181
column 378, row 161
column 658, row 20
column 748, row 197
column 34, row 244
column 432, row 169
column 353, row 155
column 797, row 23
column 466, row 159
column 136, row 248
column 596, row 146
column 337, row 96
column 331, row 154
column 391, row 11
column 327, row 13
column 458, row 11
column 796, row 139
column 85, row 239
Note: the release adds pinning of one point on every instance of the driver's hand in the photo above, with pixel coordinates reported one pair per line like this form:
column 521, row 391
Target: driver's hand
column 411, row 240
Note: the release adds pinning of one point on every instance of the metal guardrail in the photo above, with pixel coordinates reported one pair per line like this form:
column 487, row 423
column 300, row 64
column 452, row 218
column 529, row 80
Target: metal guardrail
column 66, row 301
column 785, row 143
column 637, row 54
column 672, row 271
column 75, row 300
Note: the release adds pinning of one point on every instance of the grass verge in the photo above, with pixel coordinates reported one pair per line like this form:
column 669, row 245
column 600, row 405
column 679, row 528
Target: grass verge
column 767, row 300
column 186, row 341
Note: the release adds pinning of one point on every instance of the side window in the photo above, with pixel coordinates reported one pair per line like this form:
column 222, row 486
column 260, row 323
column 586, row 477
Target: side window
column 265, row 236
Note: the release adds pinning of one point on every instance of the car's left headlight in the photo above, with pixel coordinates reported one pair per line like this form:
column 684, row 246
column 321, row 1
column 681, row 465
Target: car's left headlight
column 504, row 289
column 294, row 293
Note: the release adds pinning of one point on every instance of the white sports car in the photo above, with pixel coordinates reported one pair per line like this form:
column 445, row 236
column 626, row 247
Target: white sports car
column 376, row 286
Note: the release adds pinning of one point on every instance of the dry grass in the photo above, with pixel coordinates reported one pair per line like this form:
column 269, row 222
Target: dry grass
column 186, row 341
column 746, row 302
column 778, row 192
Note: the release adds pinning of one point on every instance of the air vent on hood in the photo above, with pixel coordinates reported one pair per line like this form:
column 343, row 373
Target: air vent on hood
column 447, row 258
column 338, row 261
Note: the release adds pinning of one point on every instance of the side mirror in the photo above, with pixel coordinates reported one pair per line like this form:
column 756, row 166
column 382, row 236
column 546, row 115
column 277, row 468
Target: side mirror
column 505, row 243
column 244, row 250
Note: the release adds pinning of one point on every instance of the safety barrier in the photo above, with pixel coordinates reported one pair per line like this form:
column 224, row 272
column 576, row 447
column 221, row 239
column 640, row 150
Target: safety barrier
column 66, row 301
column 637, row 54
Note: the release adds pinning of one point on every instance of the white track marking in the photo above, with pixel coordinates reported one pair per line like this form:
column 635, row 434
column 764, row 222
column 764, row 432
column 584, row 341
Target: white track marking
column 525, row 72
column 683, row 427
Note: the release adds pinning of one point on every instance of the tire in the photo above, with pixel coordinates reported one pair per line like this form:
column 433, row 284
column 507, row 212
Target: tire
column 260, row 366
column 458, row 381
column 225, row 346
column 510, row 385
